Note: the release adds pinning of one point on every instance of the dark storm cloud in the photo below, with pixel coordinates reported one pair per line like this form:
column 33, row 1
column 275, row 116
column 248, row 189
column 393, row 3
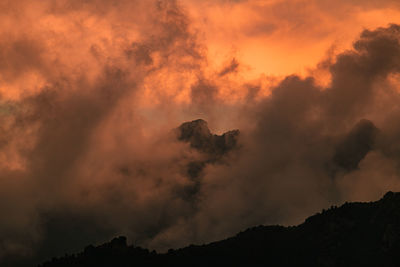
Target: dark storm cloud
column 355, row 145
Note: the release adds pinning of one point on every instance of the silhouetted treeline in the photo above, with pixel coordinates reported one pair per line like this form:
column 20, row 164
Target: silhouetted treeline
column 355, row 234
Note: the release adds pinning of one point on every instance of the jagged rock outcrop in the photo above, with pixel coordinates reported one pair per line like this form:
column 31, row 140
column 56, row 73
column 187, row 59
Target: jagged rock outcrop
column 355, row 234
column 199, row 136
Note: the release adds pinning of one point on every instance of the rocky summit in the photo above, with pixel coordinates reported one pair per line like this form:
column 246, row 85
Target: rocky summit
column 198, row 135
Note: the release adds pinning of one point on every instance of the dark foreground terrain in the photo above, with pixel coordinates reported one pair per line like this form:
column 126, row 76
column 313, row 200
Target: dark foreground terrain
column 355, row 234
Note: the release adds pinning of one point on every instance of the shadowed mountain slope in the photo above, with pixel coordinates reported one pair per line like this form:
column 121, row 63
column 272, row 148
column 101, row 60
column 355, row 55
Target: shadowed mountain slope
column 355, row 234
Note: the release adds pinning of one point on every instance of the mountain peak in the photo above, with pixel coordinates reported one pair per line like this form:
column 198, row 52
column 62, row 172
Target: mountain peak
column 194, row 132
column 199, row 136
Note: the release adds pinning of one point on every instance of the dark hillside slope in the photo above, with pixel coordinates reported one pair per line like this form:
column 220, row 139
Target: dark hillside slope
column 355, row 234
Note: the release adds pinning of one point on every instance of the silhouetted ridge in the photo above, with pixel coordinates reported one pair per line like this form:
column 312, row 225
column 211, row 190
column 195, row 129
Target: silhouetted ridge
column 355, row 234
column 199, row 136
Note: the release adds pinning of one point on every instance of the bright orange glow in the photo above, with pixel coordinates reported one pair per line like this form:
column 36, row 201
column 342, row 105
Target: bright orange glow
column 272, row 38
column 282, row 37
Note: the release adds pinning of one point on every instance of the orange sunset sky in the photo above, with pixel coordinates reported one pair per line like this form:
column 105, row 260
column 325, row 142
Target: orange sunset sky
column 267, row 38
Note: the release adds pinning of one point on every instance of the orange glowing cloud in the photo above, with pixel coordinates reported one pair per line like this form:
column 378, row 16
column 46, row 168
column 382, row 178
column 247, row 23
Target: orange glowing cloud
column 281, row 37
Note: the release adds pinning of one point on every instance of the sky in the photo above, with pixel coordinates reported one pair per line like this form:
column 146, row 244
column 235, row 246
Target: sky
column 92, row 92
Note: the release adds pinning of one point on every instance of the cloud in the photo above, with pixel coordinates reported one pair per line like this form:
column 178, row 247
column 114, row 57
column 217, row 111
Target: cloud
column 299, row 132
column 93, row 93
column 356, row 145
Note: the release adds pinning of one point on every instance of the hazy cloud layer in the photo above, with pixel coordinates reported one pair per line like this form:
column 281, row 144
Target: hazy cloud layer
column 93, row 93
